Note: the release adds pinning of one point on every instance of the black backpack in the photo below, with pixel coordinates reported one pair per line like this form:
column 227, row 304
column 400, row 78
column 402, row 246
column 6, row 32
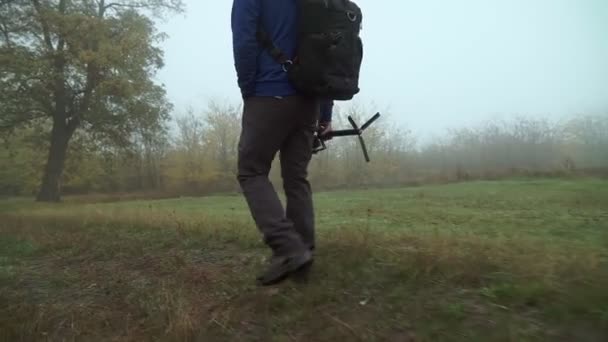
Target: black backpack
column 329, row 50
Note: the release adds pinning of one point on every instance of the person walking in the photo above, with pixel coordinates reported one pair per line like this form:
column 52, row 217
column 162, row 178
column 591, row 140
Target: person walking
column 276, row 119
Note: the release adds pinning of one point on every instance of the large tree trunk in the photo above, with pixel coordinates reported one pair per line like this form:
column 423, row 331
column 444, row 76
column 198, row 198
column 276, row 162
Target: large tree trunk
column 63, row 128
column 50, row 190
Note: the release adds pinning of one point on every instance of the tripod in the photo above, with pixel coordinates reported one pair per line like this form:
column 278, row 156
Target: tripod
column 319, row 142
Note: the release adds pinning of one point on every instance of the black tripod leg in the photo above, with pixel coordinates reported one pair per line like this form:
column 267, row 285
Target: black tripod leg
column 370, row 121
column 364, row 148
column 354, row 124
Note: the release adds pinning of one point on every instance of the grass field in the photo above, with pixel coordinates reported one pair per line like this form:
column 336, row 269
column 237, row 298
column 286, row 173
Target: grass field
column 484, row 261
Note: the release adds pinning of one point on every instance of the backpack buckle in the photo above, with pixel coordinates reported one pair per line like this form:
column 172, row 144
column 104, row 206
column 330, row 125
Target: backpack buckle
column 287, row 64
column 352, row 16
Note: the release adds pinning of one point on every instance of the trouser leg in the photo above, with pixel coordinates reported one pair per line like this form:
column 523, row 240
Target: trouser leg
column 295, row 156
column 266, row 125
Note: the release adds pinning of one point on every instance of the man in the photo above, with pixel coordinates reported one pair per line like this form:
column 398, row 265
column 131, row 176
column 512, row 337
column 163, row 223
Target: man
column 275, row 120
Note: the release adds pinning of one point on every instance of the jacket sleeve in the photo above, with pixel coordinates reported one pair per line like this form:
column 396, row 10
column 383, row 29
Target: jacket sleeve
column 327, row 108
column 244, row 22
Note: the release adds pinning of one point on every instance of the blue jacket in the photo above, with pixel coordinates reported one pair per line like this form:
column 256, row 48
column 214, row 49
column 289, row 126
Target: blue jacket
column 258, row 74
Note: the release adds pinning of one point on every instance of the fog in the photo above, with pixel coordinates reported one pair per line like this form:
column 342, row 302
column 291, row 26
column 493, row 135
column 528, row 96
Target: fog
column 468, row 90
column 432, row 64
column 476, row 208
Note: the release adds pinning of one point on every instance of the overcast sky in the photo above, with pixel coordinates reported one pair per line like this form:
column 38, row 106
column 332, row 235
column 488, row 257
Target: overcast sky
column 434, row 63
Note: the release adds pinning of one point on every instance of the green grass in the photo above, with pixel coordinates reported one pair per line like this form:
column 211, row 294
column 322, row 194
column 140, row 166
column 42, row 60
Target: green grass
column 485, row 261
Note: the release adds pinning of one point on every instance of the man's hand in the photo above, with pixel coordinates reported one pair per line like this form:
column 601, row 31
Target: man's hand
column 325, row 130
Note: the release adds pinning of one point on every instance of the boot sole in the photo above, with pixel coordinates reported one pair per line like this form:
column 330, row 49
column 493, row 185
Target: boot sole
column 290, row 269
column 301, row 275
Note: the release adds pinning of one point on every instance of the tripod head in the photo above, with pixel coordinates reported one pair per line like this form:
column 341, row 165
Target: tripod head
column 319, row 142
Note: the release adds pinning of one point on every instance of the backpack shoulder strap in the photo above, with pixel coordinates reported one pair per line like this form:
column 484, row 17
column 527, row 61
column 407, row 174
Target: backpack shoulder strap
column 275, row 52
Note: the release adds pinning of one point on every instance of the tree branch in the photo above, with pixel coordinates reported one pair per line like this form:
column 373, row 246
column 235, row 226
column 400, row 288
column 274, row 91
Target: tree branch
column 72, row 124
column 101, row 4
column 24, row 118
column 116, row 4
column 62, row 8
column 174, row 5
column 5, row 34
column 4, row 27
column 45, row 26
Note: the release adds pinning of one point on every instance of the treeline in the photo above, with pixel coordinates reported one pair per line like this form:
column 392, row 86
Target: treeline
column 196, row 154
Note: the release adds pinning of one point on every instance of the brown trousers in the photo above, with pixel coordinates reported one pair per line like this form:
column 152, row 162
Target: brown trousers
column 284, row 125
